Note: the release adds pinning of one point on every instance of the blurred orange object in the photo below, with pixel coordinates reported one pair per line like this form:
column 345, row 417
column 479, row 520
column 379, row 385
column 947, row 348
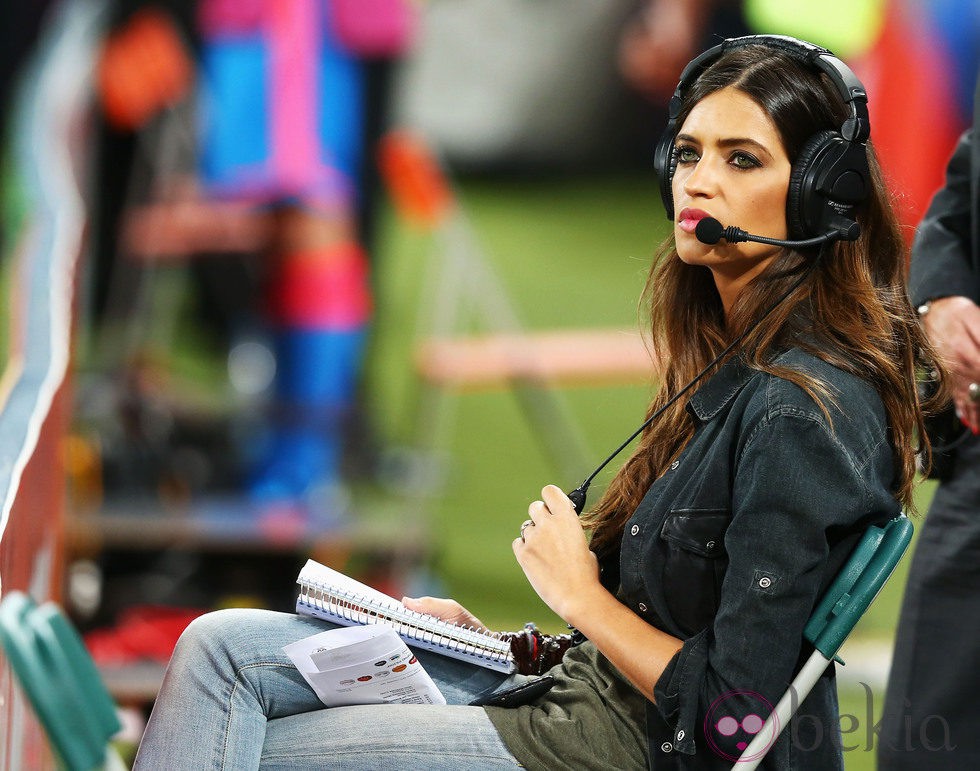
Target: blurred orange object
column 913, row 109
column 416, row 183
column 145, row 66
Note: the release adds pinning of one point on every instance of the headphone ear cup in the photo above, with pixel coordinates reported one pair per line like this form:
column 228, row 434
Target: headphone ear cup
column 665, row 164
column 667, row 189
column 799, row 196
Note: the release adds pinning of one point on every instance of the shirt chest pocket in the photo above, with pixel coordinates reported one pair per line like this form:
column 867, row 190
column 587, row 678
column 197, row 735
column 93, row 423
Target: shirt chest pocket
column 695, row 565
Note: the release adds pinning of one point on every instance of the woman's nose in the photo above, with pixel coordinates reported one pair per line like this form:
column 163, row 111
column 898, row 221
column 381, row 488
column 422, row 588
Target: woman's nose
column 701, row 180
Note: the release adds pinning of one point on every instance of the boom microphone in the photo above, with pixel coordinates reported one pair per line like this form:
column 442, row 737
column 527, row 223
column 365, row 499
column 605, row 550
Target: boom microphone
column 710, row 231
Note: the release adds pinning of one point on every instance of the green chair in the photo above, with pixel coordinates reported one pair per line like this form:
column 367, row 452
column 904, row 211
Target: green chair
column 61, row 682
column 854, row 589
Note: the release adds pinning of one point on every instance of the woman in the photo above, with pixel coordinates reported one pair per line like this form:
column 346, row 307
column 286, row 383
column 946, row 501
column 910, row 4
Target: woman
column 718, row 535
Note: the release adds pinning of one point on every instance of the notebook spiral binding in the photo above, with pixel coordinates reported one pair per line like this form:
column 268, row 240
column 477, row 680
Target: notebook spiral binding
column 359, row 609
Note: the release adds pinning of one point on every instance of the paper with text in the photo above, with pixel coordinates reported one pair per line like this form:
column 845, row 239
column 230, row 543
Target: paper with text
column 362, row 665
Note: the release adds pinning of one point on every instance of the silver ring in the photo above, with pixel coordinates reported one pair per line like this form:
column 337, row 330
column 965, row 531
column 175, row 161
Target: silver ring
column 525, row 525
column 973, row 391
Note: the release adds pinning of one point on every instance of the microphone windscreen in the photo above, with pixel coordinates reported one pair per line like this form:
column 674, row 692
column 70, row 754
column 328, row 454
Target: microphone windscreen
column 709, row 231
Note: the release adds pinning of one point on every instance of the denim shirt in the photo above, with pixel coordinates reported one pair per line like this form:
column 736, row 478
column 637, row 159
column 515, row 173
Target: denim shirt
column 731, row 548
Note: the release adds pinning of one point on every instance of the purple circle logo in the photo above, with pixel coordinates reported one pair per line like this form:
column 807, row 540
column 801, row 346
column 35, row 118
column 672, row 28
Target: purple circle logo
column 734, row 719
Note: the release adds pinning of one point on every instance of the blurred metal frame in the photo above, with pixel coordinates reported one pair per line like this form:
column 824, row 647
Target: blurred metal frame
column 50, row 123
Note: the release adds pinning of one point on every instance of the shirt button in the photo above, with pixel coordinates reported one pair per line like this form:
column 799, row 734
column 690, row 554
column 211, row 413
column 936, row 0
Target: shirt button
column 674, row 465
column 765, row 582
column 643, row 607
column 710, row 545
column 634, row 530
column 666, row 747
column 681, row 735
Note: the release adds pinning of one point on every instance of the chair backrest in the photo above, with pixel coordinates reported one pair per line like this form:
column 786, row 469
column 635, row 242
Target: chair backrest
column 60, row 680
column 845, row 601
column 857, row 584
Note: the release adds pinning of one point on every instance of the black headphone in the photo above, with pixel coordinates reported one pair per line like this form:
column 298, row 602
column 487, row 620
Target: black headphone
column 829, row 176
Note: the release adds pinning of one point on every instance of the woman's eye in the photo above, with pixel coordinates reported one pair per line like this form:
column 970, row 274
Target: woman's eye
column 744, row 161
column 686, row 155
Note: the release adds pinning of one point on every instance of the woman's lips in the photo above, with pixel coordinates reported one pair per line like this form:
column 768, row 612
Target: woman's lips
column 688, row 219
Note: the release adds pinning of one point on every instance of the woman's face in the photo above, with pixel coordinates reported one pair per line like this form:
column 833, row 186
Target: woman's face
column 731, row 165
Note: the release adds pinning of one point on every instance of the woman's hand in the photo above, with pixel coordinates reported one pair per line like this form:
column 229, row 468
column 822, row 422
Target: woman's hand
column 447, row 610
column 554, row 554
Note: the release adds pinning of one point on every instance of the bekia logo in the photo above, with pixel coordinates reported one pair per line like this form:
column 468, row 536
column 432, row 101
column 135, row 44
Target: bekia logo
column 733, row 721
column 736, row 718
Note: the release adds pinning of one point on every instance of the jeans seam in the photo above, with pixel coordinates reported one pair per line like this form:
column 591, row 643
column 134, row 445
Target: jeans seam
column 231, row 699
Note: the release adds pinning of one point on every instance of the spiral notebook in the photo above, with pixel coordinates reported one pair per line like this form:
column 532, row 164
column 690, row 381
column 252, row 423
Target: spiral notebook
column 325, row 593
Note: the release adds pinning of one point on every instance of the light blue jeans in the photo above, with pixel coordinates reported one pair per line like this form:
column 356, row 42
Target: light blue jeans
column 232, row 699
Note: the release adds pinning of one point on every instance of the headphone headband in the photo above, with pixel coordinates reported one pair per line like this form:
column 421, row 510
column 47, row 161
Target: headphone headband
column 857, row 127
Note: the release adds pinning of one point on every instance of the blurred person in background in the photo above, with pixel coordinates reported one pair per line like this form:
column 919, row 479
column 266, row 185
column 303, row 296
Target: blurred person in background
column 283, row 126
column 931, row 710
column 714, row 542
column 290, row 99
column 322, row 87
column 666, row 34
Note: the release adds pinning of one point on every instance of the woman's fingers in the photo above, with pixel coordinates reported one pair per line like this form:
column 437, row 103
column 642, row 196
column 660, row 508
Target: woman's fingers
column 556, row 500
column 447, row 610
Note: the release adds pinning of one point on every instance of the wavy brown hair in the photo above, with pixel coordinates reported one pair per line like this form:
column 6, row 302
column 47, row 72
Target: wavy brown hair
column 850, row 308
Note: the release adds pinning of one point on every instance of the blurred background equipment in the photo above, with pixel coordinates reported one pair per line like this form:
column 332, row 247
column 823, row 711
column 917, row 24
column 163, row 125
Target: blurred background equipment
column 469, row 335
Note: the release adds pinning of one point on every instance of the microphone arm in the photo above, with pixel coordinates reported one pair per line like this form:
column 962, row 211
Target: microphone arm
column 710, row 231
column 736, row 235
column 579, row 494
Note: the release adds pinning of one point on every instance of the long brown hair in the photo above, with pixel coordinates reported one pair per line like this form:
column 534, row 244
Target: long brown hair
column 850, row 309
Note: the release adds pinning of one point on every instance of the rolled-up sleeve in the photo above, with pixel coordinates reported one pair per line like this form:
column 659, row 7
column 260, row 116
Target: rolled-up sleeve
column 677, row 691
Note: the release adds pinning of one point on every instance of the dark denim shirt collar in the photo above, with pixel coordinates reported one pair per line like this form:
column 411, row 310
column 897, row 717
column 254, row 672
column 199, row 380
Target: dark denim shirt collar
column 720, row 389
